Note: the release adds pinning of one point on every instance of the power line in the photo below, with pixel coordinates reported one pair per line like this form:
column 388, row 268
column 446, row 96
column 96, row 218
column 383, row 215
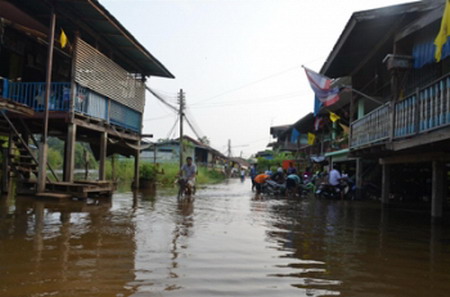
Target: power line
column 247, row 84
column 160, row 98
column 193, row 129
column 159, row 118
column 262, row 100
column 173, row 128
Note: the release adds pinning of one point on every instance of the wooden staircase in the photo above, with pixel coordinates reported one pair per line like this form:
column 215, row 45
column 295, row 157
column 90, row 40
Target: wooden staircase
column 23, row 163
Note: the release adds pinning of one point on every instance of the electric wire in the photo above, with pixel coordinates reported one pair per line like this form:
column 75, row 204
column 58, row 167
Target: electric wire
column 172, row 129
column 248, row 84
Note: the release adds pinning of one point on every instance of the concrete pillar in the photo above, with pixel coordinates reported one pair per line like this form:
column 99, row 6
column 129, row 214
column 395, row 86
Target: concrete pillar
column 136, row 166
column 437, row 189
column 102, row 161
column 385, row 183
column 69, row 153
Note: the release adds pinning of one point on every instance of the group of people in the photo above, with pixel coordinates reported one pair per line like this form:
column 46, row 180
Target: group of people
column 292, row 180
column 289, row 177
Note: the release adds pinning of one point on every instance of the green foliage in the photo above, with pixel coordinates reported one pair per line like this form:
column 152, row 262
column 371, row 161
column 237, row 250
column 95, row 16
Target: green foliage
column 123, row 170
column 278, row 158
column 147, row 171
column 55, row 158
column 80, row 159
column 204, row 140
column 57, row 145
column 208, row 176
column 166, row 174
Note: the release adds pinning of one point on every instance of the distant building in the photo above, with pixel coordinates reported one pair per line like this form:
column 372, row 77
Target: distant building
column 168, row 151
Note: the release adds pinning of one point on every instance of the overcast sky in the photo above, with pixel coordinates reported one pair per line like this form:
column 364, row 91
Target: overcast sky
column 239, row 61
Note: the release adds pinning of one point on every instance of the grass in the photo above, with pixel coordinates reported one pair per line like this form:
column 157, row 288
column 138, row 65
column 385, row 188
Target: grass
column 162, row 174
column 166, row 174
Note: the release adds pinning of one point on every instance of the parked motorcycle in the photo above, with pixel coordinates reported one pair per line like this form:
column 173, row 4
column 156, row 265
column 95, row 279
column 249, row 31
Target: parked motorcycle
column 333, row 192
column 328, row 191
column 271, row 187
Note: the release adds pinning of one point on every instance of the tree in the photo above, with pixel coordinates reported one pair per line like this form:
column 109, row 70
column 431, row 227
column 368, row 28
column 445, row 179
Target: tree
column 204, row 140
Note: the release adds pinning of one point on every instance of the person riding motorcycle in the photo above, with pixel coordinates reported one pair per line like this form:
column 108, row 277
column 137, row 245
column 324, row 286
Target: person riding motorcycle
column 188, row 173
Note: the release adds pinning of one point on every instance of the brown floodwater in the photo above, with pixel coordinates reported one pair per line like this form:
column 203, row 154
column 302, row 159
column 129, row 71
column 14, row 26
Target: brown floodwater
column 224, row 243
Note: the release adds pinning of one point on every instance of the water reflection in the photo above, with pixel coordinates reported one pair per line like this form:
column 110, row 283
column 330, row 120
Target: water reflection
column 223, row 243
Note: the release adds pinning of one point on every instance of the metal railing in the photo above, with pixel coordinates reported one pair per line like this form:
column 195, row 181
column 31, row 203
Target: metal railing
column 32, row 94
column 373, row 127
column 427, row 109
column 86, row 102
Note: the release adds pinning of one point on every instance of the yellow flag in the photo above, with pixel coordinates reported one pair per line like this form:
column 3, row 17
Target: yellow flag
column 444, row 32
column 345, row 129
column 334, row 117
column 311, row 138
column 63, row 39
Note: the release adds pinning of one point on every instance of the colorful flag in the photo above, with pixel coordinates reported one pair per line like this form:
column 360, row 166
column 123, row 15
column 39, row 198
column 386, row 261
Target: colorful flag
column 334, row 117
column 311, row 138
column 317, row 123
column 63, row 39
column 317, row 105
column 321, row 86
column 345, row 129
column 294, row 135
column 444, row 32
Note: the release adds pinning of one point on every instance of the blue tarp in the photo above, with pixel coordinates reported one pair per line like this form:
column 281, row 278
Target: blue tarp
column 423, row 53
column 294, row 135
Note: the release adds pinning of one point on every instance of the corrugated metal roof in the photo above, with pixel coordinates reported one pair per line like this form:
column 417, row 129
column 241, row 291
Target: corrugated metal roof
column 423, row 53
column 96, row 24
column 363, row 33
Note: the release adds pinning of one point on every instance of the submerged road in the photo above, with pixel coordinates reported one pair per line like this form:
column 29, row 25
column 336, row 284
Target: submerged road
column 223, row 243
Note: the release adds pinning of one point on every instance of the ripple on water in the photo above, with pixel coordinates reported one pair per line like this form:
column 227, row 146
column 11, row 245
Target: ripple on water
column 222, row 243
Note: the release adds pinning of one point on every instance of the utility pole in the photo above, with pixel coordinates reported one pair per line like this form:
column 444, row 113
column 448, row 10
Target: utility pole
column 43, row 145
column 229, row 148
column 181, row 102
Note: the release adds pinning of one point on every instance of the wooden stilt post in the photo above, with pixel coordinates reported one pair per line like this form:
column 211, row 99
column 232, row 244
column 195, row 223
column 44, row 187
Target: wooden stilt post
column 5, row 171
column 437, row 191
column 102, row 163
column 69, row 158
column 113, row 167
column 385, row 183
column 359, row 177
column 136, row 166
column 43, row 146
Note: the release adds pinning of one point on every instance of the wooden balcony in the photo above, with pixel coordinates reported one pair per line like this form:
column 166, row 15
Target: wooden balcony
column 419, row 114
column 81, row 101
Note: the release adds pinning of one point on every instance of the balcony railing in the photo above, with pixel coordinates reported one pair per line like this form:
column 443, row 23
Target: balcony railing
column 373, row 127
column 425, row 110
column 32, row 94
column 86, row 102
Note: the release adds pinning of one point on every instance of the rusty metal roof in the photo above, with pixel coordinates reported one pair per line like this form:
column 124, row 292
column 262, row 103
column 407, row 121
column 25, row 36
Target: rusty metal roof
column 97, row 26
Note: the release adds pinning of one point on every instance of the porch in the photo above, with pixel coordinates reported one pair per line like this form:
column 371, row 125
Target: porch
column 73, row 98
column 415, row 120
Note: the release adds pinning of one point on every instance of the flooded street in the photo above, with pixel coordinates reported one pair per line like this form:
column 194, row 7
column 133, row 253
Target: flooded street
column 224, row 243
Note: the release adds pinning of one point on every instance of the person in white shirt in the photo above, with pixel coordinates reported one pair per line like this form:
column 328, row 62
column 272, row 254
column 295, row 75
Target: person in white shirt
column 334, row 178
column 188, row 172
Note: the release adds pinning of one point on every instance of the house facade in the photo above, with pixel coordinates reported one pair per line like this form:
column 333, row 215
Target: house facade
column 82, row 75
